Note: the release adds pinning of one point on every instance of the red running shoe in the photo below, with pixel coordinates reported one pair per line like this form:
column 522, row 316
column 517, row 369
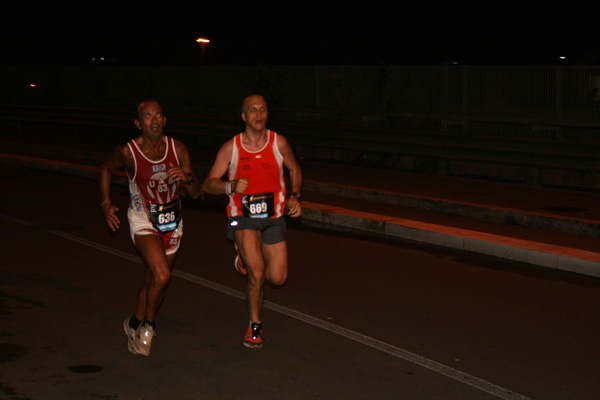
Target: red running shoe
column 253, row 338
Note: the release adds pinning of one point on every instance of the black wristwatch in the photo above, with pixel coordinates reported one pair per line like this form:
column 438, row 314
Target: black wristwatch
column 191, row 179
column 296, row 195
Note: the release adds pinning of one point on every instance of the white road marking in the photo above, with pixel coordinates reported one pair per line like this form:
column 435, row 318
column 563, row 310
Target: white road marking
column 431, row 365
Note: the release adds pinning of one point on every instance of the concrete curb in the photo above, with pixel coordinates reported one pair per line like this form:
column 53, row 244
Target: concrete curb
column 540, row 254
column 495, row 213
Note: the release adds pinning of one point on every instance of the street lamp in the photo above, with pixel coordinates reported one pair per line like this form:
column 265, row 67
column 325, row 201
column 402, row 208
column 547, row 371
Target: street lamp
column 203, row 43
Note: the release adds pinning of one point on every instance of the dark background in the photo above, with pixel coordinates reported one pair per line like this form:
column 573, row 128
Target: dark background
column 299, row 34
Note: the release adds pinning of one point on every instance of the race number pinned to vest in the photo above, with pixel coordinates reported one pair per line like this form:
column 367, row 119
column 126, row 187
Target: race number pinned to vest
column 260, row 205
column 165, row 217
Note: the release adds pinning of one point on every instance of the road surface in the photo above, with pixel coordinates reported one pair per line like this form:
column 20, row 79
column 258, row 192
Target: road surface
column 360, row 317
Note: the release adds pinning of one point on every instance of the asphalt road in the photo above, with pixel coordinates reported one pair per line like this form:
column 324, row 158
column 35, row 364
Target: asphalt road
column 360, row 317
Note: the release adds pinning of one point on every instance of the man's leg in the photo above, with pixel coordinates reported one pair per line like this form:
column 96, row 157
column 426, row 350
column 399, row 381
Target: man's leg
column 151, row 294
column 265, row 263
column 156, row 278
column 249, row 246
column 276, row 263
column 140, row 309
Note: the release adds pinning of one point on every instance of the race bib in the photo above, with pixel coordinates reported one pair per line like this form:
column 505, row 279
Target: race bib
column 258, row 205
column 165, row 217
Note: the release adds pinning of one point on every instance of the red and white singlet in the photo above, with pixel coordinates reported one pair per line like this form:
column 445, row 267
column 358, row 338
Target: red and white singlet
column 152, row 194
column 265, row 195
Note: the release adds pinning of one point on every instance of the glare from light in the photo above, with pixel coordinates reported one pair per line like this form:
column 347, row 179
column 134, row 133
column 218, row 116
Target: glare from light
column 202, row 40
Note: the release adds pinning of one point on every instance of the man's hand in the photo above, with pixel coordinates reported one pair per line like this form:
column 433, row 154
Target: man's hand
column 241, row 185
column 177, row 174
column 110, row 216
column 294, row 207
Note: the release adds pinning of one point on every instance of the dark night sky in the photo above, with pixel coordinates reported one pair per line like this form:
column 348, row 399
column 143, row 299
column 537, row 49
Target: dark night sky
column 297, row 34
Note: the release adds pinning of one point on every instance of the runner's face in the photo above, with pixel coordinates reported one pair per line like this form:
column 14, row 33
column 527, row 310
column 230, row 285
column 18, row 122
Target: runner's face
column 256, row 113
column 151, row 120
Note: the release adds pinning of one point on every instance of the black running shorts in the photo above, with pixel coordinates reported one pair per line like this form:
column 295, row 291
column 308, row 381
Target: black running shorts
column 272, row 229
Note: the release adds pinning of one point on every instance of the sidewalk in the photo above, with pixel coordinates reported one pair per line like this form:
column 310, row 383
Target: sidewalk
column 551, row 228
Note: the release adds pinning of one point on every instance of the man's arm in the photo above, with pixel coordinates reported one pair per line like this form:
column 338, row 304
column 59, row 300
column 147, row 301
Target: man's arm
column 289, row 160
column 184, row 172
column 213, row 183
column 113, row 162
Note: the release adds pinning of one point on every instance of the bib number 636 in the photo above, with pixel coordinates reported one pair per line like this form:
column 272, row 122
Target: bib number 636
column 165, row 218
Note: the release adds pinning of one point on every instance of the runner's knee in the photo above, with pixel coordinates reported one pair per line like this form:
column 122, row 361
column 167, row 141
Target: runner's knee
column 256, row 274
column 277, row 279
column 161, row 278
column 277, row 276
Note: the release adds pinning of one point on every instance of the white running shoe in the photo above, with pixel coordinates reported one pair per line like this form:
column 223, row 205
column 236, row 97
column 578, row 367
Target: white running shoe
column 131, row 334
column 143, row 339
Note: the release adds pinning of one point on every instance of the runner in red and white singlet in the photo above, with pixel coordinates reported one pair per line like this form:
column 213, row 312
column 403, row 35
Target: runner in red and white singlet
column 264, row 171
column 155, row 165
column 257, row 202
column 154, row 206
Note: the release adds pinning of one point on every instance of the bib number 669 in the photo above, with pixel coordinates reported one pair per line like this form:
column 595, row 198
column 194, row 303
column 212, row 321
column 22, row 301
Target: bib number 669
column 258, row 208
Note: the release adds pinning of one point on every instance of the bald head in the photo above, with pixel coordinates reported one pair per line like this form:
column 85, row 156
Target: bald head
column 145, row 104
column 151, row 120
column 253, row 98
column 255, row 113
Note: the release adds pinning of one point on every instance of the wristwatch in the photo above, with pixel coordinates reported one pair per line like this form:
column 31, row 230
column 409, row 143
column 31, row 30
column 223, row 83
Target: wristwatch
column 296, row 195
column 191, row 179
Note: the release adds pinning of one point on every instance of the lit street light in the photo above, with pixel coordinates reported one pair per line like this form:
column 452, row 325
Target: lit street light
column 203, row 43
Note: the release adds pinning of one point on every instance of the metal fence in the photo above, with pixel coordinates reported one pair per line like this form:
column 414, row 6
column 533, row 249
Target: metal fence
column 546, row 101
